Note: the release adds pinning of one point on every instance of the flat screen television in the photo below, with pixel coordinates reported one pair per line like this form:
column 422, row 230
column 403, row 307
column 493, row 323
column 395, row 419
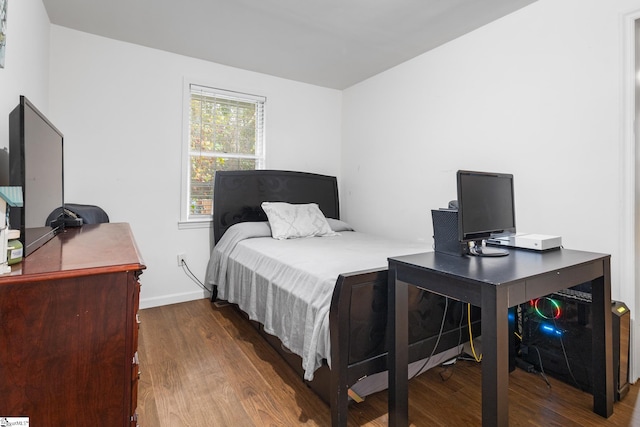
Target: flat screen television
column 486, row 208
column 35, row 164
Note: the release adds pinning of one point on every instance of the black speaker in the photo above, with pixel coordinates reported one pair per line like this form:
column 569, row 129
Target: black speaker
column 445, row 232
column 621, row 331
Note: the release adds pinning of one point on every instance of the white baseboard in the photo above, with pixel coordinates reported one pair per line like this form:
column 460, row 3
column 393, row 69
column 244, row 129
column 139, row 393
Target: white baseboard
column 173, row 299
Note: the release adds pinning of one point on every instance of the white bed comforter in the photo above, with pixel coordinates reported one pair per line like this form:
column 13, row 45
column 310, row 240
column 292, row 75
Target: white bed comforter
column 287, row 285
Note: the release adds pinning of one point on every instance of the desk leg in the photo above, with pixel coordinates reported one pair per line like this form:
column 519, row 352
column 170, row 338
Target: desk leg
column 398, row 332
column 495, row 357
column 602, row 357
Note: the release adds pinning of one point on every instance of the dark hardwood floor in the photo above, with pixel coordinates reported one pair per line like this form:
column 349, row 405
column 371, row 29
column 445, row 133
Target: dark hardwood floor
column 206, row 366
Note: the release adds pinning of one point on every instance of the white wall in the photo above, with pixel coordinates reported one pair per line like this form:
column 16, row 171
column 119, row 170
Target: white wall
column 120, row 108
column 26, row 69
column 537, row 93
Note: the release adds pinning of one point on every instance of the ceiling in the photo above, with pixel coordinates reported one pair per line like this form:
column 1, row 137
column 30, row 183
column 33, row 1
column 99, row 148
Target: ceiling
column 330, row 43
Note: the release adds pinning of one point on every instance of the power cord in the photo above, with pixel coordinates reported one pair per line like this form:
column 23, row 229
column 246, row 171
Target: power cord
column 542, row 374
column 566, row 358
column 450, row 366
column 473, row 350
column 192, row 276
column 444, row 318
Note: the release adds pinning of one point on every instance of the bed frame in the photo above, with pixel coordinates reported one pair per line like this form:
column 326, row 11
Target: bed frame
column 358, row 331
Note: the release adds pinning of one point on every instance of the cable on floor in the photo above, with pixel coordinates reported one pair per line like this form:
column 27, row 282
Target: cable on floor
column 192, row 276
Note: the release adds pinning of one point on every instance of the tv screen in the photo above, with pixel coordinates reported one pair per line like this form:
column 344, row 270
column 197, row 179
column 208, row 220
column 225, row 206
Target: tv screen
column 485, row 205
column 35, row 164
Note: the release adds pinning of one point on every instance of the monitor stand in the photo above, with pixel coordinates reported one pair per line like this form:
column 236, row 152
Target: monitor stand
column 478, row 249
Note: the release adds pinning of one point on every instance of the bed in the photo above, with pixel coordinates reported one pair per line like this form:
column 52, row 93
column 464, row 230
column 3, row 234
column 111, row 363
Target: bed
column 320, row 301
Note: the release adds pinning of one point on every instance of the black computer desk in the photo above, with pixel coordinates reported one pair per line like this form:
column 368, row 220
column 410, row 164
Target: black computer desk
column 494, row 285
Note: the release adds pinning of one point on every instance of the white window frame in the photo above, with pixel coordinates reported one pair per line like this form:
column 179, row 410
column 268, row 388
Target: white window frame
column 185, row 221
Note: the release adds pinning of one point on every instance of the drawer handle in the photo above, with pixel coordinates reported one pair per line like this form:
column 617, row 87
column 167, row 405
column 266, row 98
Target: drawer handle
column 138, row 318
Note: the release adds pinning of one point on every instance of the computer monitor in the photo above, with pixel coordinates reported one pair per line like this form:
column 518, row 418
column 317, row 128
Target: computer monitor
column 485, row 208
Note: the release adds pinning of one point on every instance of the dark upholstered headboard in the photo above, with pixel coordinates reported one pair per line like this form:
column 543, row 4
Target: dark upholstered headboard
column 237, row 195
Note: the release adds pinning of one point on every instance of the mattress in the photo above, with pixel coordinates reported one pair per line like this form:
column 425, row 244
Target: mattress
column 287, row 285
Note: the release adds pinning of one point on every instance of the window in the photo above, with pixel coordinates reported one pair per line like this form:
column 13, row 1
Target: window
column 225, row 132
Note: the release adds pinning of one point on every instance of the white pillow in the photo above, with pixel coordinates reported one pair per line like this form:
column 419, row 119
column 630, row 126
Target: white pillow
column 337, row 225
column 290, row 221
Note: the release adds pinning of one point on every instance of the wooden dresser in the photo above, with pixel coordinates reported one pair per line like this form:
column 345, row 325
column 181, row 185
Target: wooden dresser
column 69, row 330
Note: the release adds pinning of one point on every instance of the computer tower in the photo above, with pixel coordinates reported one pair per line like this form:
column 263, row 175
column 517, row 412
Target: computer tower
column 556, row 338
column 445, row 232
